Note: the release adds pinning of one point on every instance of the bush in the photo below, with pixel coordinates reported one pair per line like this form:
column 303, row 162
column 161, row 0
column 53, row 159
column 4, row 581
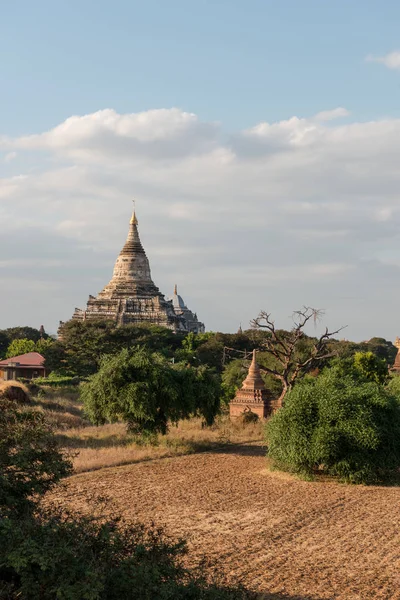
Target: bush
column 340, row 422
column 66, row 557
column 146, row 391
column 47, row 554
column 393, row 386
column 30, row 460
column 249, row 416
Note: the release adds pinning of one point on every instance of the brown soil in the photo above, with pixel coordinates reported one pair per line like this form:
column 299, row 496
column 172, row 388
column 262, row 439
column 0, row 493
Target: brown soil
column 277, row 534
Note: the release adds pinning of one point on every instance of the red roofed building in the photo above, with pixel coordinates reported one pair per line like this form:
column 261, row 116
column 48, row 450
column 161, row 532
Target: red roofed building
column 28, row 366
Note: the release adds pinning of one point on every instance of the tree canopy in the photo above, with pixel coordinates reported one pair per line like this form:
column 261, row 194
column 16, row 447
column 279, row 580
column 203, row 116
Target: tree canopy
column 340, row 421
column 146, row 391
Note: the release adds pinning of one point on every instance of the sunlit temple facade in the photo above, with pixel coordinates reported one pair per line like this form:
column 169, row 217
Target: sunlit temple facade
column 131, row 297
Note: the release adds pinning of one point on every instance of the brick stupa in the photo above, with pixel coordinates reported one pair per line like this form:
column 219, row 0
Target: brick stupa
column 396, row 366
column 253, row 395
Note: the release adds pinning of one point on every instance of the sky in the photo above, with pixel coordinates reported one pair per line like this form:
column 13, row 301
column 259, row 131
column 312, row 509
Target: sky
column 260, row 139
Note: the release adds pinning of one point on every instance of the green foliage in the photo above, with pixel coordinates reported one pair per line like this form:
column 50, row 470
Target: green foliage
column 146, row 391
column 393, row 386
column 232, row 378
column 66, row 557
column 24, row 345
column 85, row 342
column 54, row 380
column 4, row 343
column 21, row 333
column 20, row 346
column 49, row 554
column 43, row 345
column 341, row 421
column 30, row 461
column 7, row 336
column 371, row 367
column 380, row 347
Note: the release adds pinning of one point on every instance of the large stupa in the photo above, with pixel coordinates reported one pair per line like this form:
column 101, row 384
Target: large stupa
column 131, row 296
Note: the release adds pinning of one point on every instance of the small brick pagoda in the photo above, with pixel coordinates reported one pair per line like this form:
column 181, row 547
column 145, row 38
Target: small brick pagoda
column 253, row 395
column 396, row 364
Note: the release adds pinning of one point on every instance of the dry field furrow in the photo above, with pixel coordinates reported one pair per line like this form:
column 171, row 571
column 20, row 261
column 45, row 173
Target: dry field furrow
column 275, row 533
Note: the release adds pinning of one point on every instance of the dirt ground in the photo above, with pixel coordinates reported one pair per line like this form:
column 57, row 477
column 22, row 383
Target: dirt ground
column 278, row 535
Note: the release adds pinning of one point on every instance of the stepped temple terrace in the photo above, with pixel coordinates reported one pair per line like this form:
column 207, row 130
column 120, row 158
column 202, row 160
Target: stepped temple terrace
column 131, row 297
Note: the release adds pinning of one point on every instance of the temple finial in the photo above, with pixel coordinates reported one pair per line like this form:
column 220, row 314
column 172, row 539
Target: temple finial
column 175, row 290
column 134, row 220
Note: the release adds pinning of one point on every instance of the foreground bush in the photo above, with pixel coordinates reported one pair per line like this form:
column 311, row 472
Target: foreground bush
column 30, row 460
column 340, row 422
column 47, row 554
column 53, row 556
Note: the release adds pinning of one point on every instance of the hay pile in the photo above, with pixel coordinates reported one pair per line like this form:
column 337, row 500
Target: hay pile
column 14, row 391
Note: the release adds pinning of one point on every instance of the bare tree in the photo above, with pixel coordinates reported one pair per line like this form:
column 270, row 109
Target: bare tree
column 284, row 347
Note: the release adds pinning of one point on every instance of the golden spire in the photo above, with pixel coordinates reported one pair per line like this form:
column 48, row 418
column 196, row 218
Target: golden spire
column 175, row 290
column 133, row 220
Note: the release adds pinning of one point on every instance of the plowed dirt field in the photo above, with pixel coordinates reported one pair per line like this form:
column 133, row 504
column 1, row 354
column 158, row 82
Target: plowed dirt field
column 280, row 536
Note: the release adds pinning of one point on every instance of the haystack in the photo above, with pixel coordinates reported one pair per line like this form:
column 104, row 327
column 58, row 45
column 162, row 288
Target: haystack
column 14, row 391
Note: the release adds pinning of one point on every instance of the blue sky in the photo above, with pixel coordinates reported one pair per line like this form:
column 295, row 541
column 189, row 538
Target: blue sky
column 226, row 60
column 260, row 138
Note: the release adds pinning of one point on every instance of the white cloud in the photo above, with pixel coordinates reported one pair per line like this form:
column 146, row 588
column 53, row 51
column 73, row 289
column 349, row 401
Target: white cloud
column 329, row 115
column 390, row 60
column 301, row 211
column 10, row 156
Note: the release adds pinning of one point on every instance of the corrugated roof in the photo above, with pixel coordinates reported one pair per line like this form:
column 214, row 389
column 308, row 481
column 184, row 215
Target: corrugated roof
column 30, row 359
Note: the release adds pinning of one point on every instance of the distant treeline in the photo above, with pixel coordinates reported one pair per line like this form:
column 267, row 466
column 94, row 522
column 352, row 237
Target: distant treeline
column 83, row 344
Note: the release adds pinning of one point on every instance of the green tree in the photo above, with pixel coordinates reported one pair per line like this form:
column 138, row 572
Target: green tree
column 83, row 343
column 30, row 460
column 146, row 391
column 20, row 346
column 4, row 343
column 371, row 367
column 393, row 386
column 340, row 421
column 22, row 333
column 43, row 345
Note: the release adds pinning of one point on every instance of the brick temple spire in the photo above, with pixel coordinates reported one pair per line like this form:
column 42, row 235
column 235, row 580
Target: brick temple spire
column 253, row 395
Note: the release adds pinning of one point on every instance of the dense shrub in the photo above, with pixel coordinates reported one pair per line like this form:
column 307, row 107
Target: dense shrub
column 65, row 557
column 340, row 422
column 146, row 391
column 371, row 366
column 47, row 554
column 30, row 460
column 393, row 386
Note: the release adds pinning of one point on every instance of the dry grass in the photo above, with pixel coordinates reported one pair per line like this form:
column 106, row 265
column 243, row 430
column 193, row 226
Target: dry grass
column 63, row 409
column 111, row 445
column 282, row 537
